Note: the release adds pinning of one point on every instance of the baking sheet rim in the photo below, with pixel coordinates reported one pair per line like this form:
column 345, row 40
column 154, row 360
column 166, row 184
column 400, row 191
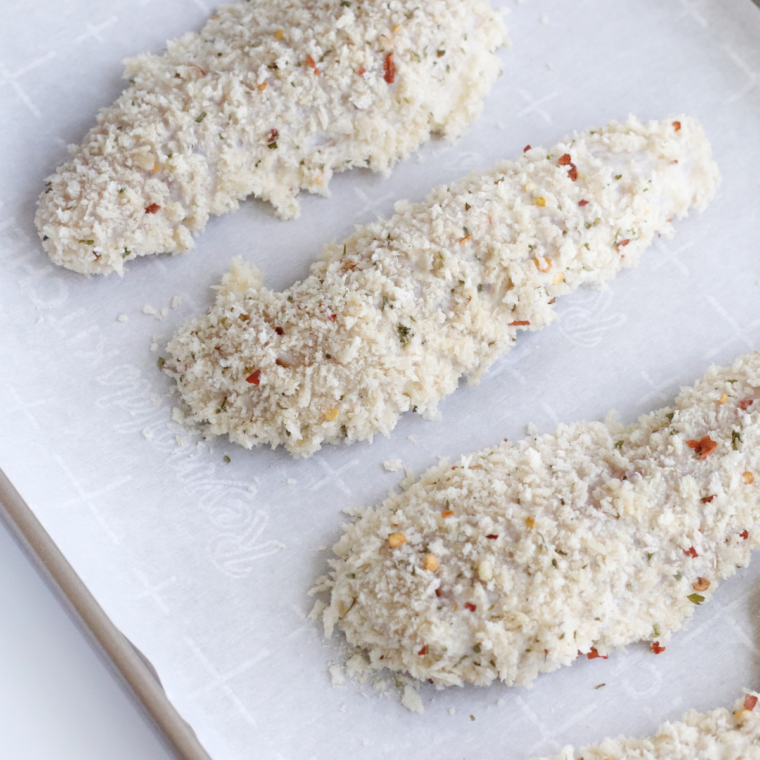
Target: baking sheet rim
column 132, row 671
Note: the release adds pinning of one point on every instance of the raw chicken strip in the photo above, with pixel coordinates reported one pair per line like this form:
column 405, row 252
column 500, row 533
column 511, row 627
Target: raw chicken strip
column 268, row 99
column 521, row 557
column 718, row 735
column 391, row 319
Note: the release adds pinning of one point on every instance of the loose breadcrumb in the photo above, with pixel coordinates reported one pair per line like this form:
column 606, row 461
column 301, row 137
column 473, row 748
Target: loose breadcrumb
column 268, row 99
column 391, row 318
column 392, row 465
column 577, row 542
column 718, row 735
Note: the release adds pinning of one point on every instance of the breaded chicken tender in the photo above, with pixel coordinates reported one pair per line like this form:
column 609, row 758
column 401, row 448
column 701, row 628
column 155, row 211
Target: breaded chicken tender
column 522, row 557
column 390, row 320
column 268, row 99
column 717, row 735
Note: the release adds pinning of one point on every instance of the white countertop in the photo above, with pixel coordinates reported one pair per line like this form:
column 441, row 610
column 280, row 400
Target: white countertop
column 58, row 698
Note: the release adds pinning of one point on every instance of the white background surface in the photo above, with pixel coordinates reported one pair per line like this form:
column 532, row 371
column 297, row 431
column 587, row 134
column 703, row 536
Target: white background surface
column 58, row 699
column 206, row 568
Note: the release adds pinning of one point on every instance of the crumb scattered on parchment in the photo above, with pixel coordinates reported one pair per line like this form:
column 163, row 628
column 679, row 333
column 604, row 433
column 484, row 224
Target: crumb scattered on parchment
column 148, row 433
column 408, row 479
column 543, row 19
column 122, row 318
column 176, row 302
column 318, row 608
column 336, row 675
column 181, row 441
column 452, row 710
column 392, row 465
column 291, row 481
column 531, row 429
column 152, row 311
column 411, row 700
column 499, row 703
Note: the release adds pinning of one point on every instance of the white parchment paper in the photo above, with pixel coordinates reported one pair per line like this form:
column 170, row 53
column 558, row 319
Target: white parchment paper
column 205, row 564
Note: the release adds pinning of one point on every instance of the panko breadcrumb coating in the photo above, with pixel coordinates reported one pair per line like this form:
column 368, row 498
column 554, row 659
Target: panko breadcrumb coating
column 390, row 319
column 717, row 735
column 574, row 543
column 268, row 99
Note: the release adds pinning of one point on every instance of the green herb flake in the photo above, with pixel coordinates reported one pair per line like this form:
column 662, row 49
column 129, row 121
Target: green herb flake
column 618, row 176
column 656, row 632
column 227, row 459
column 696, row 598
column 161, row 362
column 599, row 685
column 440, row 53
column 619, row 445
column 351, row 575
column 476, row 649
column 404, row 334
column 272, row 145
column 87, row 242
column 467, row 206
column 472, row 717
column 670, row 416
column 201, row 118
column 736, row 438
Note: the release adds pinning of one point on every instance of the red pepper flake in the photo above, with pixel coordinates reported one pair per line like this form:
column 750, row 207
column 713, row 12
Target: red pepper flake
column 519, row 323
column 389, row 67
column 564, row 160
column 656, row 648
column 423, row 651
column 254, row 378
column 623, row 244
column 279, row 330
column 470, row 606
column 744, row 534
column 582, row 203
column 362, row 71
column 492, row 536
column 749, row 702
column 692, row 552
column 593, row 654
column 744, row 404
column 332, row 317
column 707, row 499
column 273, row 135
column 526, row 148
column 573, row 173
column 438, row 592
column 677, row 125
column 703, row 447
column 310, row 63
column 152, row 209
column 447, row 513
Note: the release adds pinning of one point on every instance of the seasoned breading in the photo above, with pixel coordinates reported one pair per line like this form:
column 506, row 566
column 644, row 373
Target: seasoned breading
column 717, row 735
column 391, row 318
column 268, row 99
column 577, row 542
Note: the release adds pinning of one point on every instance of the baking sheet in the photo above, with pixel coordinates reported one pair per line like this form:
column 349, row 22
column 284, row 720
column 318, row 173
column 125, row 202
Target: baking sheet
column 204, row 564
